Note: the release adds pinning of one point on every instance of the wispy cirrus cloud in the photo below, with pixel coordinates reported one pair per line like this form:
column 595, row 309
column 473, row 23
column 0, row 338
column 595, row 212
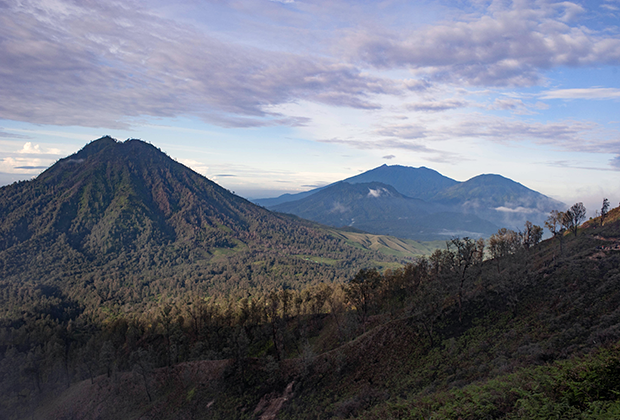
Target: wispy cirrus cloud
column 105, row 65
column 31, row 167
column 433, row 155
column 437, row 106
column 582, row 93
column 13, row 135
column 579, row 165
column 111, row 64
column 568, row 135
column 402, row 131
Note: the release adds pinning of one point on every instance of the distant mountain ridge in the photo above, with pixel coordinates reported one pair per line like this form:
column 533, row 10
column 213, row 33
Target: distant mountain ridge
column 476, row 207
column 378, row 208
column 499, row 199
column 420, row 183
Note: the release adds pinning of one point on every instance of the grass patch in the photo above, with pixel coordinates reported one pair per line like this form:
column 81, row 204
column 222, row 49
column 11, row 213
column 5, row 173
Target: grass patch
column 388, row 245
column 317, row 260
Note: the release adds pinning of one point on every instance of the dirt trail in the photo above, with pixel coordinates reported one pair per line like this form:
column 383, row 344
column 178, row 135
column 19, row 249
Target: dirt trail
column 270, row 405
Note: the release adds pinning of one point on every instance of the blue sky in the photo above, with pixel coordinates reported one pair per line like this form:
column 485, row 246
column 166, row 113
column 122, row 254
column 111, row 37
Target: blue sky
column 266, row 97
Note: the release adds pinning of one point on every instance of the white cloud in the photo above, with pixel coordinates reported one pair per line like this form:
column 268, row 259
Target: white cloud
column 516, row 210
column 112, row 64
column 584, row 93
column 195, row 165
column 16, row 165
column 29, row 148
column 35, row 149
column 338, row 208
column 376, row 193
column 502, row 46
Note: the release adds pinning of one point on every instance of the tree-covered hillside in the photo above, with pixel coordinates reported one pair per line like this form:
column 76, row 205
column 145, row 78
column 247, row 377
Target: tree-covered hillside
column 122, row 223
column 532, row 333
column 119, row 229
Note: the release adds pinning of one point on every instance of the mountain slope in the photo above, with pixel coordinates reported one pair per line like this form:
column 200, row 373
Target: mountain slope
column 378, row 208
column 422, row 183
column 126, row 210
column 113, row 196
column 467, row 208
column 499, row 200
column 537, row 337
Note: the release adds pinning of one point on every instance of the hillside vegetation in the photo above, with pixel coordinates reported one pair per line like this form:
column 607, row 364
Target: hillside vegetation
column 121, row 224
column 533, row 334
column 121, row 231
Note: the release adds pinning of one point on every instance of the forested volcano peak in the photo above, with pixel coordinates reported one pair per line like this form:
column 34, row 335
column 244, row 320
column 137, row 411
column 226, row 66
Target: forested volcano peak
column 96, row 146
column 115, row 195
column 129, row 205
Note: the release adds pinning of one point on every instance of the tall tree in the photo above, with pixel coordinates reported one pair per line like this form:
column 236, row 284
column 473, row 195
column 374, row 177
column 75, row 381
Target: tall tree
column 574, row 216
column 361, row 292
column 503, row 243
column 465, row 256
column 107, row 356
column 434, row 291
column 143, row 366
column 532, row 234
column 604, row 210
column 555, row 225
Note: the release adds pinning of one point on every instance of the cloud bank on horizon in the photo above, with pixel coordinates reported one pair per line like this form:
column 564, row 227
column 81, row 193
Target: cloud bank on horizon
column 441, row 83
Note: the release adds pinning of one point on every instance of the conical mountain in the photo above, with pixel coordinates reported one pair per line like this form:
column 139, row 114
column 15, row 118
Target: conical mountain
column 472, row 208
column 127, row 210
column 422, row 183
column 345, row 204
column 112, row 196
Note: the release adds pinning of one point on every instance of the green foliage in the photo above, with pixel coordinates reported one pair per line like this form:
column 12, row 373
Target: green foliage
column 580, row 388
column 216, row 308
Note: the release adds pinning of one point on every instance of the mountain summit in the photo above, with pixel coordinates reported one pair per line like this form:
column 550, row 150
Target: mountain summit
column 422, row 183
column 113, row 196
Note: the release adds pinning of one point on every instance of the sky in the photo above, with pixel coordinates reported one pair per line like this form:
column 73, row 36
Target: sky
column 266, row 97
